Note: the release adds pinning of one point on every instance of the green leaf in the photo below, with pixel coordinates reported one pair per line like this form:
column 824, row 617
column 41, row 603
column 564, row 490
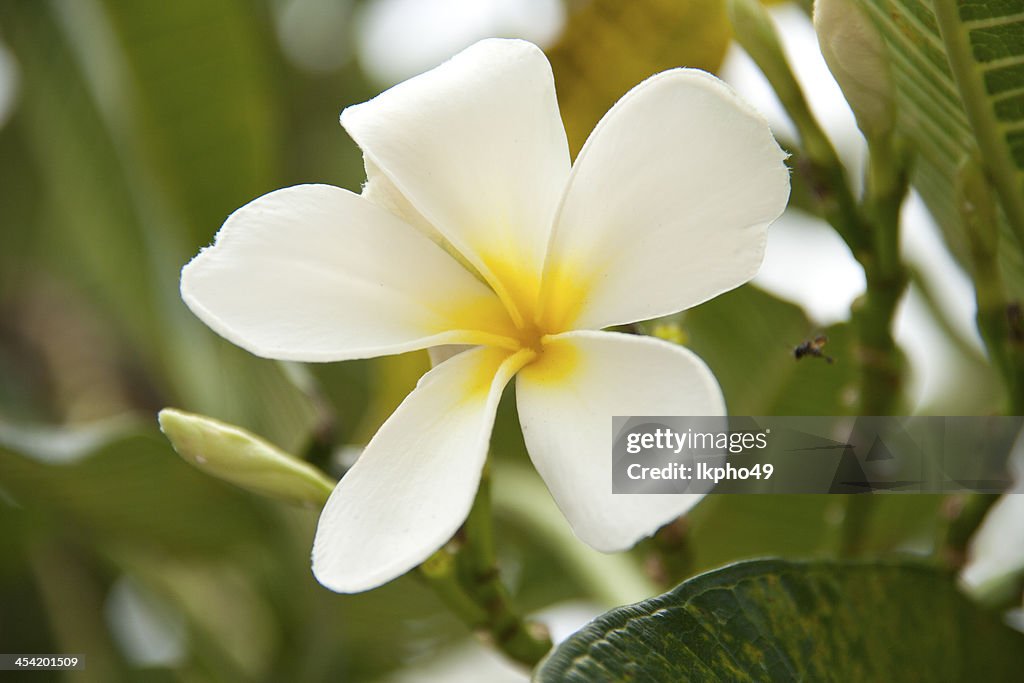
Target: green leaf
column 727, row 528
column 241, row 458
column 132, row 505
column 143, row 149
column 747, row 337
column 207, row 116
column 66, row 444
column 959, row 77
column 985, row 45
column 771, row 620
column 108, row 488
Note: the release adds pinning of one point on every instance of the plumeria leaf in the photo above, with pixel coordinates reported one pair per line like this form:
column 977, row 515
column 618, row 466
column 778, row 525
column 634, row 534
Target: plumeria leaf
column 128, row 488
column 227, row 118
column 986, row 55
column 241, row 458
column 65, row 444
column 142, row 151
column 64, row 139
column 769, row 381
column 131, row 504
column 771, row 620
column 958, row 76
column 767, row 524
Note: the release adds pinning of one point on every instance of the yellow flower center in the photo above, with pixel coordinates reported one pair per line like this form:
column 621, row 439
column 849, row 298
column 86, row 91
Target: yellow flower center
column 522, row 332
column 535, row 315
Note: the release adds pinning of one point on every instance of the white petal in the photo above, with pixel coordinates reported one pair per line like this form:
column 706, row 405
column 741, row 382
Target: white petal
column 379, row 190
column 414, row 484
column 316, row 273
column 667, row 206
column 439, row 354
column 477, row 146
column 566, row 402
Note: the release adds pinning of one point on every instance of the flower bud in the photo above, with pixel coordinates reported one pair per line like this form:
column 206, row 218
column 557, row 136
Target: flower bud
column 243, row 459
column 854, row 50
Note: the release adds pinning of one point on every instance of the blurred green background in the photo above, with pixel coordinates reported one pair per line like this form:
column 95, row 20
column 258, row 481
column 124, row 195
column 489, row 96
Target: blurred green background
column 132, row 130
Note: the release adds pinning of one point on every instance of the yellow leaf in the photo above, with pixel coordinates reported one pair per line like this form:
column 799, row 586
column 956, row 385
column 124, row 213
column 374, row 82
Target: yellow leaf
column 609, row 46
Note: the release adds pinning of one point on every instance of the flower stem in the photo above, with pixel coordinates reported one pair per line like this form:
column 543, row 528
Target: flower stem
column 465, row 575
column 612, row 580
column 856, row 523
column 817, row 163
column 999, row 320
column 870, row 228
column 671, row 556
column 880, row 359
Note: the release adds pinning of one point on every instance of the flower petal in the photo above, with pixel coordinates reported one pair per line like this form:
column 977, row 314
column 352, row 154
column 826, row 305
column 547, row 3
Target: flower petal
column 477, row 146
column 379, row 190
column 667, row 206
column 414, row 484
column 316, row 273
column 566, row 401
column 439, row 354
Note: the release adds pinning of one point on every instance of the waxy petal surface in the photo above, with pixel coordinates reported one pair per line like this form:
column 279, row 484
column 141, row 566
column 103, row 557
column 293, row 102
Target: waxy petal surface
column 667, row 206
column 566, row 401
column 415, row 482
column 317, row 273
column 477, row 147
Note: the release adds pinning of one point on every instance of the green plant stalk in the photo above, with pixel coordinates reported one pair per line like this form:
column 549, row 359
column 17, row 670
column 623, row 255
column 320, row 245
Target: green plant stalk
column 857, row 515
column 1000, row 328
column 478, row 568
column 870, row 228
column 439, row 572
column 885, row 187
column 610, row 579
column 465, row 576
column 818, row 164
column 672, row 559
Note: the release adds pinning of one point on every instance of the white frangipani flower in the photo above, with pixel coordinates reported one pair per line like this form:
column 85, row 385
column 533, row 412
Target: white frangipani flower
column 475, row 229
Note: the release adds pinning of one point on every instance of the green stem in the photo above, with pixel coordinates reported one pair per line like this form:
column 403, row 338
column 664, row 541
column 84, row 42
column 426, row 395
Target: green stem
column 885, row 187
column 523, row 641
column 856, row 523
column 465, row 576
column 818, row 163
column 611, row 579
column 439, row 572
column 870, row 228
column 999, row 320
column 671, row 554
